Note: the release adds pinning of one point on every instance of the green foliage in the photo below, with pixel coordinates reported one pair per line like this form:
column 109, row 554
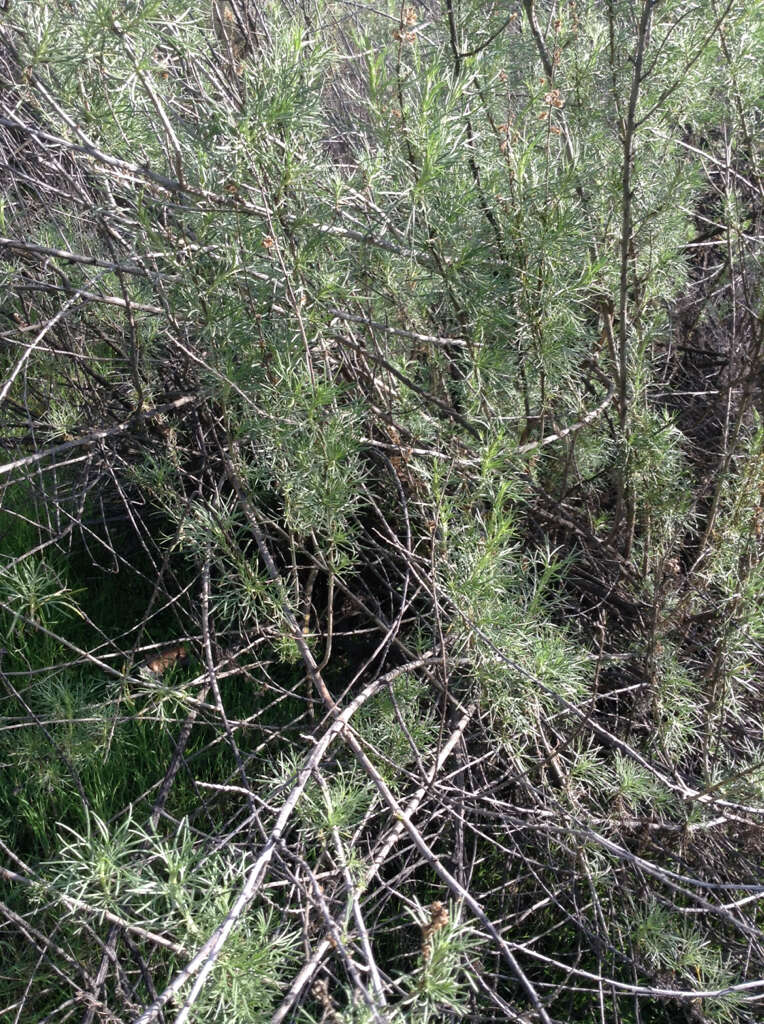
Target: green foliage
column 249, row 980
column 442, row 981
column 398, row 726
column 338, row 805
column 32, row 595
column 160, row 882
column 658, row 476
column 400, row 343
column 672, row 944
